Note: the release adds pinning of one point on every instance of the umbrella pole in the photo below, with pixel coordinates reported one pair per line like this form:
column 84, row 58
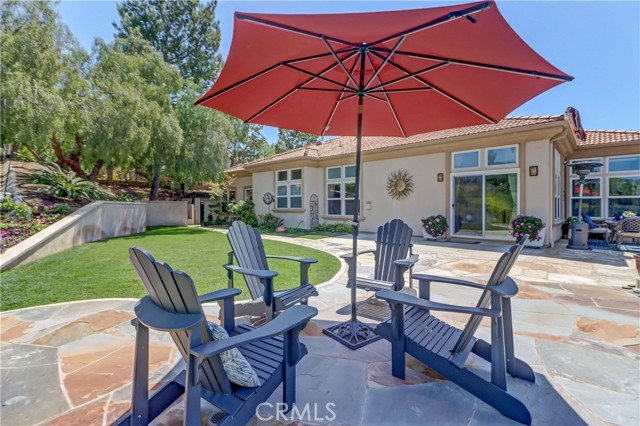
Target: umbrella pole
column 353, row 333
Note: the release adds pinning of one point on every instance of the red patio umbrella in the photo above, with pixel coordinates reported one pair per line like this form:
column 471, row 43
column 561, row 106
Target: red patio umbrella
column 378, row 74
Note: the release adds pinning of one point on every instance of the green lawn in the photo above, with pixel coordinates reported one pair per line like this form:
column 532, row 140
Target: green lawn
column 102, row 269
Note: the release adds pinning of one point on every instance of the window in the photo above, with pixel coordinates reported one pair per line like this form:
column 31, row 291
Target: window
column 466, row 160
column 629, row 163
column 591, row 197
column 624, row 195
column 289, row 189
column 248, row 193
column 341, row 190
column 503, row 156
column 231, row 195
column 557, row 185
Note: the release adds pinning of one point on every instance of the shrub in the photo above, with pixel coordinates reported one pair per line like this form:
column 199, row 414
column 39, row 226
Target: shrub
column 341, row 228
column 435, row 226
column 245, row 211
column 67, row 185
column 269, row 222
column 522, row 225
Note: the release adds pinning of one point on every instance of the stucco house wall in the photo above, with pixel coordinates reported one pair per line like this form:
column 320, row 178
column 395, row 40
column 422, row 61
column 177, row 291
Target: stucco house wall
column 428, row 197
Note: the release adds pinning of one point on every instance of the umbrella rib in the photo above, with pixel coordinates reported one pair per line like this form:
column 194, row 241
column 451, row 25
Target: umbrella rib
column 289, row 93
column 491, row 67
column 289, row 28
column 318, row 75
column 382, row 65
column 452, row 16
column 340, row 99
column 333, row 52
column 443, row 93
column 410, row 89
column 319, row 56
column 388, row 101
column 238, row 83
column 406, row 77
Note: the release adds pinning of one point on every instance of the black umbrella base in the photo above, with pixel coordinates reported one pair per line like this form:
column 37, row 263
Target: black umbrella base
column 353, row 334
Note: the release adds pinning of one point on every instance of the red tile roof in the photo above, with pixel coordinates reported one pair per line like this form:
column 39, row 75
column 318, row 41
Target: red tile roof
column 607, row 137
column 347, row 144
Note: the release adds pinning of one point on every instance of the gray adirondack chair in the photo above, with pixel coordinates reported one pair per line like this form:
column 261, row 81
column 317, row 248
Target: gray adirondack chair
column 414, row 330
column 247, row 248
column 393, row 257
column 173, row 306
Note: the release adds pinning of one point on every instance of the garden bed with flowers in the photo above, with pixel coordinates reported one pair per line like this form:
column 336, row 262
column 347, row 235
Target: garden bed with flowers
column 19, row 221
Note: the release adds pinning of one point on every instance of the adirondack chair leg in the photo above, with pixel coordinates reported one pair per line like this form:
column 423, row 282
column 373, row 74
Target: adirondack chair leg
column 192, row 392
column 140, row 393
column 397, row 344
column 498, row 365
column 291, row 355
column 424, row 290
column 508, row 338
column 304, row 273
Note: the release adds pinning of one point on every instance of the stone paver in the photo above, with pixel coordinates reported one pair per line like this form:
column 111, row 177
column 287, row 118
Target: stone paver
column 71, row 364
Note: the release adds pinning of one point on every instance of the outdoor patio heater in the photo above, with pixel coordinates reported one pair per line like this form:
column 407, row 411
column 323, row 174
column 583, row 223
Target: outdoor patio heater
column 579, row 230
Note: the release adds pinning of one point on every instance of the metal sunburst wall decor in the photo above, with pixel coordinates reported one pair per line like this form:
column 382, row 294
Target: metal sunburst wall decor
column 400, row 184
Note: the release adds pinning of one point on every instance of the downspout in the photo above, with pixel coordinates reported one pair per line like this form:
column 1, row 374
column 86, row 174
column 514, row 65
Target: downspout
column 552, row 143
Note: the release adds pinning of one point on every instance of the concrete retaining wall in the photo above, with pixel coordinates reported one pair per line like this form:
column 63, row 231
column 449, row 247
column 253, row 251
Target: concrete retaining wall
column 167, row 213
column 97, row 221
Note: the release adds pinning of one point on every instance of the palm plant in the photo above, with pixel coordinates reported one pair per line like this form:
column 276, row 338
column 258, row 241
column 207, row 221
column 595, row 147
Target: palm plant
column 65, row 184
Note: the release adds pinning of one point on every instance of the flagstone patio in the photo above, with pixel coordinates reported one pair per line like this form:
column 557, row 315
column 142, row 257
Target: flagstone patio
column 71, row 364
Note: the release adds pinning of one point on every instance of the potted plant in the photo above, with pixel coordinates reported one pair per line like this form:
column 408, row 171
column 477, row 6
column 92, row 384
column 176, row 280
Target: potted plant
column 534, row 226
column 565, row 226
column 434, row 226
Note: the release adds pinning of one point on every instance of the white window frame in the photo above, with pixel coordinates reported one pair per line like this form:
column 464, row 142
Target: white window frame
column 342, row 181
column 235, row 192
column 288, row 184
column 557, row 185
column 453, row 160
column 248, row 188
column 506, row 165
column 574, row 178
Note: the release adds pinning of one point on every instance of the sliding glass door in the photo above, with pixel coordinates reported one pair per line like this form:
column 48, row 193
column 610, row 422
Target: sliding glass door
column 484, row 204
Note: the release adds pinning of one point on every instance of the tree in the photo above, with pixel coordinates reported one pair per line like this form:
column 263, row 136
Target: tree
column 41, row 79
column 134, row 121
column 291, row 139
column 201, row 156
column 247, row 143
column 185, row 32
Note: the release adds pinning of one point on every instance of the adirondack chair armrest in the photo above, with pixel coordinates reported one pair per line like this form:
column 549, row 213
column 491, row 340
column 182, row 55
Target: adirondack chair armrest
column 394, row 297
column 406, row 263
column 152, row 316
column 294, row 258
column 446, row 280
column 259, row 273
column 226, row 293
column 508, row 288
column 291, row 318
column 347, row 256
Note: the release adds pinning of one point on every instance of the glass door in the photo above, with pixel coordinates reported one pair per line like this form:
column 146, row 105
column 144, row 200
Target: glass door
column 484, row 205
column 500, row 204
column 467, row 205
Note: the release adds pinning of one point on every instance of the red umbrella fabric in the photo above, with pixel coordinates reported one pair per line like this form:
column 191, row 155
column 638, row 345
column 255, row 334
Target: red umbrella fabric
column 377, row 74
column 424, row 70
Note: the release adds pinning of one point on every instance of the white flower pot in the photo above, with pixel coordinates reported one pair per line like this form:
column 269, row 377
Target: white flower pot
column 427, row 236
column 540, row 242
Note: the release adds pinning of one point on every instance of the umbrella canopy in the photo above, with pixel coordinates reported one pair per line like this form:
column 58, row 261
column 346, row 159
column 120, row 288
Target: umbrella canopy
column 378, row 74
column 424, row 70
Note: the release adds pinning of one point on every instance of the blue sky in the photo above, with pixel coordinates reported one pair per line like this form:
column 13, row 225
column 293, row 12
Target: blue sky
column 597, row 42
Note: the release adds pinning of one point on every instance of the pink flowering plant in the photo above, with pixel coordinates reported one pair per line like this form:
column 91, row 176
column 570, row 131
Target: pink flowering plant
column 18, row 221
column 522, row 225
column 436, row 225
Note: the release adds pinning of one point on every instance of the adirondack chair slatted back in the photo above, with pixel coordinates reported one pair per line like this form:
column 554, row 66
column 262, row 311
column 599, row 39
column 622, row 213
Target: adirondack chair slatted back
column 174, row 292
column 499, row 274
column 393, row 242
column 246, row 243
